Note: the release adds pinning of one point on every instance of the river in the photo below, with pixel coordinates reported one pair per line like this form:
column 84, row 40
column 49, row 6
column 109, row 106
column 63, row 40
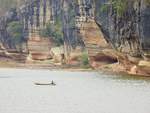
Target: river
column 75, row 92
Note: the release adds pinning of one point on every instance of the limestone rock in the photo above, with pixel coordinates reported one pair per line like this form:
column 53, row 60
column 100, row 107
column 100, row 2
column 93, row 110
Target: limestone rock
column 144, row 63
column 93, row 39
column 39, row 48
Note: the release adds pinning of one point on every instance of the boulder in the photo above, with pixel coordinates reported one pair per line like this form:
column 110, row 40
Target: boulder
column 142, row 68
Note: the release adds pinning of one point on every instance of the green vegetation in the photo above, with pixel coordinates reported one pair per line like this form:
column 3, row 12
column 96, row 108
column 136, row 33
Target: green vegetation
column 85, row 59
column 119, row 6
column 54, row 32
column 15, row 30
column 148, row 2
column 6, row 5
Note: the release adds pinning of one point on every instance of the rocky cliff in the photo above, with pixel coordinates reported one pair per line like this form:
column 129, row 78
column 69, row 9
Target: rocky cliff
column 130, row 32
column 124, row 24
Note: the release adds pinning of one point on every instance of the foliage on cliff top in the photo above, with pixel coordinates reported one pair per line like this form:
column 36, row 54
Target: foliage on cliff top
column 6, row 5
column 120, row 6
column 148, row 2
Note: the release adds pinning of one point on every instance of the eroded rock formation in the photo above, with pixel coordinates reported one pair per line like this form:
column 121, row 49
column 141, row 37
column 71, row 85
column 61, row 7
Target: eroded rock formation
column 128, row 35
column 39, row 49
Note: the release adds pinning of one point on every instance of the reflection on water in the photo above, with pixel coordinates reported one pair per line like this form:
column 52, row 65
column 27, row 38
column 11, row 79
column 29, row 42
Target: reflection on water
column 75, row 92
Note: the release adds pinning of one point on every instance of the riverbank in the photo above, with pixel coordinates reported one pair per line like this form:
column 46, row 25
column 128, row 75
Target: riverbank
column 124, row 65
column 130, row 68
column 113, row 61
column 115, row 68
column 51, row 66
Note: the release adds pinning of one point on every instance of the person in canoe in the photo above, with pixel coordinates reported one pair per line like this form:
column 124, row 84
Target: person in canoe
column 52, row 83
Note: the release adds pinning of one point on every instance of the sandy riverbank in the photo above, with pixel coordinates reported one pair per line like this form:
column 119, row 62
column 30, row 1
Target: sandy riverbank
column 114, row 68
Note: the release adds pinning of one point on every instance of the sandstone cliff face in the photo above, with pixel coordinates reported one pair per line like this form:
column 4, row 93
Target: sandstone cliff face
column 39, row 48
column 145, row 25
column 129, row 33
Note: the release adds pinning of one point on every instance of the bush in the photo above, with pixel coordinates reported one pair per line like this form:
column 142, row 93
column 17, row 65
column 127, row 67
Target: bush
column 54, row 32
column 85, row 59
column 15, row 31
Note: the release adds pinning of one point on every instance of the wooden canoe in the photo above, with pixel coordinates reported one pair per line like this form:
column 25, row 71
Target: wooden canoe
column 42, row 84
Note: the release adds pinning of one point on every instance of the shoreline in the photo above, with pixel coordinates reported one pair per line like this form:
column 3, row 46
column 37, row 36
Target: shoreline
column 111, row 69
column 117, row 71
column 45, row 67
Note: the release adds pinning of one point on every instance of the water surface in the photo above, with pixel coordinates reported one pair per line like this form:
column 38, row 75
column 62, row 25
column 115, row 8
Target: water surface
column 75, row 92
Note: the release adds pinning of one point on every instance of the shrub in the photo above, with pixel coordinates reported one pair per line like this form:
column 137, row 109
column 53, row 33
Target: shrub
column 15, row 31
column 54, row 32
column 85, row 59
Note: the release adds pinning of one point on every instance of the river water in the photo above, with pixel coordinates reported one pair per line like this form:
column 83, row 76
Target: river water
column 75, row 92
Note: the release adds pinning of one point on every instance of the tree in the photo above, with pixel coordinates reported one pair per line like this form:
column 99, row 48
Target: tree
column 15, row 31
column 54, row 32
